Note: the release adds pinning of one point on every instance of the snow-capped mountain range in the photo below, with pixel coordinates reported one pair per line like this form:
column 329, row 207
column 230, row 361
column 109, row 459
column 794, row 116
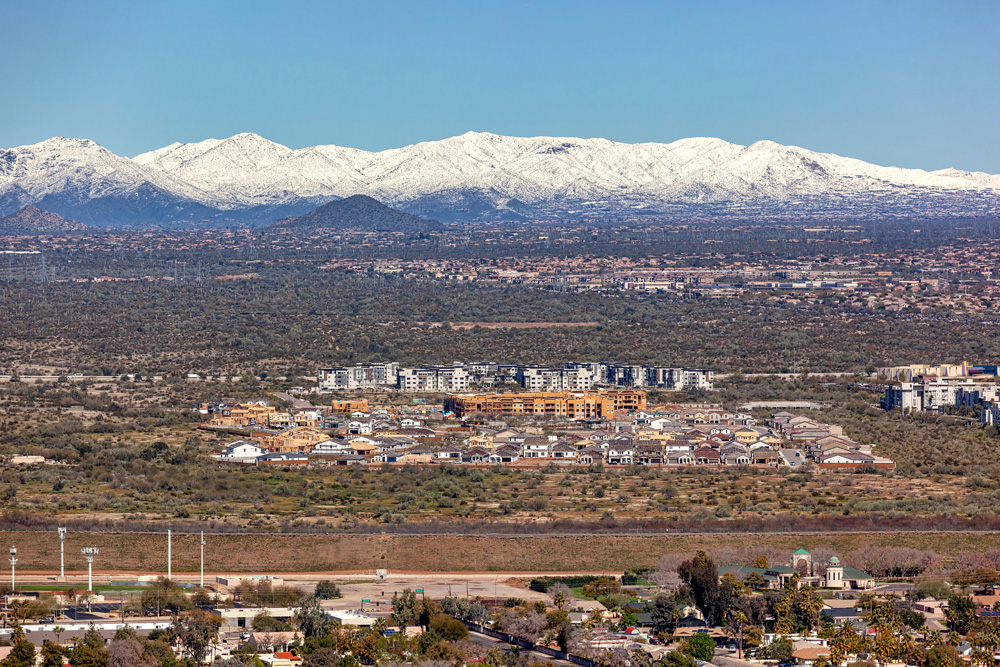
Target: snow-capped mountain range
column 247, row 179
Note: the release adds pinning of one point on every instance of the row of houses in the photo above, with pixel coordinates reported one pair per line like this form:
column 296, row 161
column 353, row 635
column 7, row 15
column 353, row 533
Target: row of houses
column 647, row 437
column 459, row 376
column 825, row 444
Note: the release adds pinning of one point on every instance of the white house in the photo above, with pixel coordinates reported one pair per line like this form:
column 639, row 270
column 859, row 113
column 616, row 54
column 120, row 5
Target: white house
column 358, row 427
column 242, row 451
column 331, row 448
column 535, row 447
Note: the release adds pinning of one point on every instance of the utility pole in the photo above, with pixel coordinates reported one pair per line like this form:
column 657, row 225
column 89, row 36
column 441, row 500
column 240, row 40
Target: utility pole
column 203, row 559
column 62, row 553
column 13, row 562
column 169, row 545
column 90, row 553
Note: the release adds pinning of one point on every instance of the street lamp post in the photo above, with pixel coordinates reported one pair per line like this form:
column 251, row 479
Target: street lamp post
column 90, row 553
column 202, row 559
column 62, row 553
column 13, row 562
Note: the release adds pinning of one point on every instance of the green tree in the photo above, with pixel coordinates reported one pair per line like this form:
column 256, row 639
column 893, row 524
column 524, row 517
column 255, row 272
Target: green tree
column 22, row 655
column 367, row 646
column 52, row 654
column 780, row 650
column 327, row 590
column 677, row 659
column 700, row 646
column 628, row 619
column 310, row 618
column 89, row 652
column 196, row 630
column 701, row 577
column 664, row 613
column 264, row 622
column 961, row 612
column 932, row 589
column 738, row 622
column 942, row 656
column 448, row 628
column 405, row 609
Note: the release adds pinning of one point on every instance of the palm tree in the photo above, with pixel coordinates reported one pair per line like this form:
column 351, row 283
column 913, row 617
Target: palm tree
column 737, row 622
column 982, row 657
column 57, row 631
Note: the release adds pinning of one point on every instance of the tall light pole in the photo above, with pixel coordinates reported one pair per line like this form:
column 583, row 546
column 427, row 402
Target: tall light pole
column 13, row 562
column 90, row 553
column 203, row 559
column 169, row 545
column 62, row 554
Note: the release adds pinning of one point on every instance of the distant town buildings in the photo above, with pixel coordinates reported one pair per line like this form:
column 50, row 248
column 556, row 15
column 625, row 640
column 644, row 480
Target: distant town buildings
column 459, row 376
column 613, row 427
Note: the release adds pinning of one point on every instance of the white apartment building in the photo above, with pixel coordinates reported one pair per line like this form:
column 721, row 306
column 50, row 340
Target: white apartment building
column 932, row 394
column 542, row 378
column 991, row 414
column 363, row 376
column 434, row 378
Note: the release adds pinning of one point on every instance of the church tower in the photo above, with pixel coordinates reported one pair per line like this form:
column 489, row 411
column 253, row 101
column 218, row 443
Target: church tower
column 802, row 556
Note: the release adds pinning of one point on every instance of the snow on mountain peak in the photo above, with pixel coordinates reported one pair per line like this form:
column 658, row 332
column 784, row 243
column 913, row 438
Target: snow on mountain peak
column 247, row 170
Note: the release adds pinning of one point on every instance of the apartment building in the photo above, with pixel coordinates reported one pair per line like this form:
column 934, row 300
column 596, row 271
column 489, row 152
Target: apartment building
column 691, row 378
column 991, row 414
column 931, row 394
column 433, row 378
column 601, row 404
column 573, row 376
column 363, row 376
column 542, row 378
column 626, row 375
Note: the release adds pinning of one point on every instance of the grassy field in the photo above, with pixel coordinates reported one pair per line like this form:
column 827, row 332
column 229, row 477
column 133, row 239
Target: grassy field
column 146, row 553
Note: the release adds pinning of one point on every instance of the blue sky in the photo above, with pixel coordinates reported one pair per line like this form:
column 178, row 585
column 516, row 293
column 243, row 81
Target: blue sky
column 914, row 84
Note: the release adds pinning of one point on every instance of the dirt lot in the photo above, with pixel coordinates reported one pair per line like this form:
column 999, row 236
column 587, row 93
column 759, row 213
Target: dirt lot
column 144, row 552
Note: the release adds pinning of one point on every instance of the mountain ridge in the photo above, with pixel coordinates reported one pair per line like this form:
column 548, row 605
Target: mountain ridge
column 357, row 212
column 248, row 179
column 33, row 220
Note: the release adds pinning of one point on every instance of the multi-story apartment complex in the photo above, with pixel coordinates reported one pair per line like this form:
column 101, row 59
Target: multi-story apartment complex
column 434, row 378
column 689, row 378
column 626, row 376
column 574, row 376
column 936, row 393
column 601, row 404
column 542, row 378
column 363, row 376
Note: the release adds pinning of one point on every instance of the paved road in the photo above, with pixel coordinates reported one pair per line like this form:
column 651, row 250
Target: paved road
column 787, row 405
column 297, row 403
column 490, row 642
